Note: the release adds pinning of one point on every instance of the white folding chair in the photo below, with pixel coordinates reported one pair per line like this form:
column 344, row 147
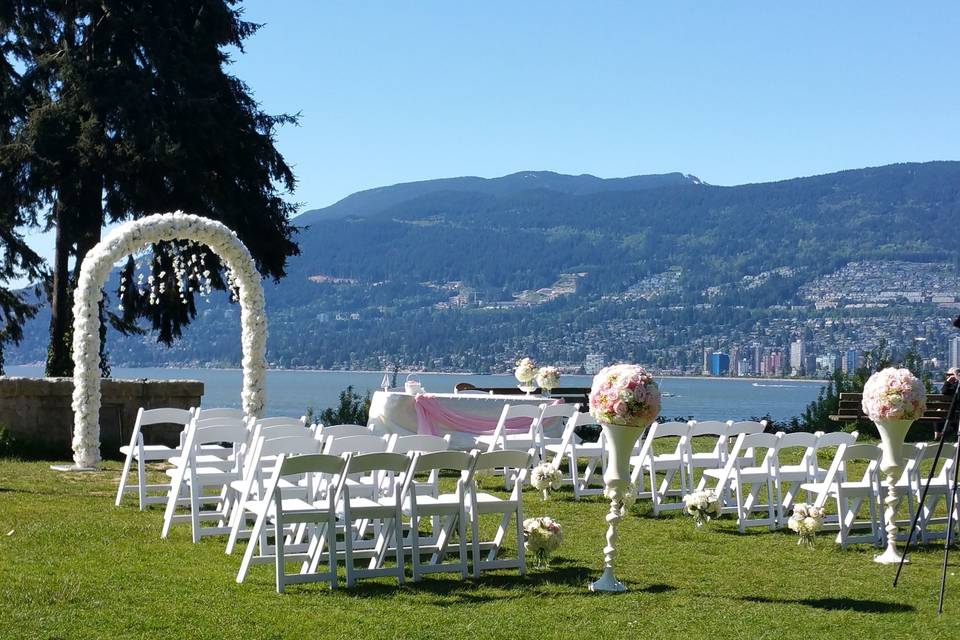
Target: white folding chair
column 941, row 486
column 141, row 452
column 447, row 512
column 829, row 442
column 381, row 513
column 790, row 476
column 260, row 464
column 852, row 494
column 421, row 444
column 706, row 448
column 745, row 468
column 571, row 448
column 317, row 516
column 482, row 503
column 500, row 439
column 672, row 465
column 552, row 418
column 196, row 479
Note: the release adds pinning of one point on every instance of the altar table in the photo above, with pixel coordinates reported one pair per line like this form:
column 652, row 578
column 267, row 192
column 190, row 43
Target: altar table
column 396, row 412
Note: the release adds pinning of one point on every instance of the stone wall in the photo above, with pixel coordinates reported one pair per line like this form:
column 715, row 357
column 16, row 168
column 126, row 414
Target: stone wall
column 37, row 411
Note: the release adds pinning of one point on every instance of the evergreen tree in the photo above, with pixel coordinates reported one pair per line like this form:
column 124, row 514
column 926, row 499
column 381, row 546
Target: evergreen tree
column 125, row 109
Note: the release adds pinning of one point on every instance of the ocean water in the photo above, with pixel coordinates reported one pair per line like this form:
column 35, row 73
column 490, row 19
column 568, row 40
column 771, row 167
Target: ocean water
column 289, row 393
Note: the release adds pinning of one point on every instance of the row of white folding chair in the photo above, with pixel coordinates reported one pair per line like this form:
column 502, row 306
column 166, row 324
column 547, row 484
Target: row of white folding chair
column 453, row 510
column 755, row 461
column 260, row 464
column 141, row 453
column 541, row 416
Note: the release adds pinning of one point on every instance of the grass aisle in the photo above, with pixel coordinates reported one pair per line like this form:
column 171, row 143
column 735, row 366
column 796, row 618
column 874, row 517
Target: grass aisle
column 75, row 566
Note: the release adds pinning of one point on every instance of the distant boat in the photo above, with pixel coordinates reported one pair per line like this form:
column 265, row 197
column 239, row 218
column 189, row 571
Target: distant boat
column 667, row 394
column 778, row 386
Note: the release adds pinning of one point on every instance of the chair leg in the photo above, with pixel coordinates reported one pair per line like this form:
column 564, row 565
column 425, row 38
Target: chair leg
column 278, row 537
column 415, row 546
column 142, row 483
column 123, row 478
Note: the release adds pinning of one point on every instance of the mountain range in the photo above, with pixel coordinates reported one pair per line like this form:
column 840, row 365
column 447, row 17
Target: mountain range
column 467, row 273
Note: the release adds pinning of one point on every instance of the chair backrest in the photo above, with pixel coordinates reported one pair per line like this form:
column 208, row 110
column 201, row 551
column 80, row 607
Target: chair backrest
column 709, row 428
column 283, row 431
column 419, row 442
column 446, row 460
column 290, row 465
column 797, row 439
column 340, row 430
column 504, row 459
column 671, row 429
column 289, row 445
column 745, row 426
column 945, row 463
column 744, row 450
column 165, row 415
column 219, row 412
column 278, row 421
column 355, row 444
column 836, row 438
column 862, row 452
column 388, row 462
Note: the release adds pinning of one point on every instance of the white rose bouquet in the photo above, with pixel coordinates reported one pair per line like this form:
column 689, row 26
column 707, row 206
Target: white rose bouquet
column 543, row 536
column 702, row 505
column 806, row 520
column 548, row 378
column 545, row 477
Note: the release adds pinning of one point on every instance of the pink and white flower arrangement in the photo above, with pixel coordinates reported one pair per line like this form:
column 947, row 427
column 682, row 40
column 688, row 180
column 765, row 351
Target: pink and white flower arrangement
column 626, row 395
column 548, row 378
column 894, row 394
column 543, row 535
column 806, row 520
column 526, row 370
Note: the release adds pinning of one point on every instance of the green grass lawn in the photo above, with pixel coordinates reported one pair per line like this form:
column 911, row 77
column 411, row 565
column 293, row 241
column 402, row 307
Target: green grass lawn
column 74, row 566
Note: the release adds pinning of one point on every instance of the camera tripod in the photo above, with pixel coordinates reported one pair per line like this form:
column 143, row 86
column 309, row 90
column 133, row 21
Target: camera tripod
column 951, row 498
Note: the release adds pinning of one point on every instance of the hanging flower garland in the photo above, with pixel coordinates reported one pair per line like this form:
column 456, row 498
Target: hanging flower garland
column 128, row 239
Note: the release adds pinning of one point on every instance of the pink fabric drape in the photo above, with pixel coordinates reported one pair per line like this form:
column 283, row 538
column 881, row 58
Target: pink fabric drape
column 431, row 413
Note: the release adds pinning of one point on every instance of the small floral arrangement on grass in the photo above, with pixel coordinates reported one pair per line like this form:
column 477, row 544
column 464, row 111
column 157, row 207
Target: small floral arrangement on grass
column 545, row 477
column 806, row 520
column 894, row 394
column 625, row 395
column 526, row 370
column 702, row 505
column 548, row 378
column 543, row 535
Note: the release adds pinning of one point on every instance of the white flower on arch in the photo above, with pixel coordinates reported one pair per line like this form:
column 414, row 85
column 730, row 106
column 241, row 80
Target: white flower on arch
column 129, row 238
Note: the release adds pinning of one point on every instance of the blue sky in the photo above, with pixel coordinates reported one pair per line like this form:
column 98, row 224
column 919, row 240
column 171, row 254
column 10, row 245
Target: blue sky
column 731, row 92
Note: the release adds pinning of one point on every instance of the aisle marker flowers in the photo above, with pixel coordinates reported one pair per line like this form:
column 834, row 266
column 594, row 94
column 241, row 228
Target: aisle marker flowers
column 548, row 378
column 806, row 520
column 545, row 477
column 543, row 535
column 526, row 370
column 702, row 505
column 626, row 395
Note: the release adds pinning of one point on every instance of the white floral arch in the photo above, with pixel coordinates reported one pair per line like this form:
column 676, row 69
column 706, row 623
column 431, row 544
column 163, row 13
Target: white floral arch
column 128, row 239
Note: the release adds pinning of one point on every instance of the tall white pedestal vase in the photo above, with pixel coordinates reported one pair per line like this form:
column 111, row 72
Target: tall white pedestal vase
column 624, row 399
column 620, row 441
column 892, row 436
column 893, row 399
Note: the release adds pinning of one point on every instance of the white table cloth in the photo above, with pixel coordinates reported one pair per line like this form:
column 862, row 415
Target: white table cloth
column 395, row 412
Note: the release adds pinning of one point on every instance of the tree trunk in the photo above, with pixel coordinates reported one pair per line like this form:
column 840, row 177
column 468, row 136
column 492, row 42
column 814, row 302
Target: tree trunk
column 59, row 359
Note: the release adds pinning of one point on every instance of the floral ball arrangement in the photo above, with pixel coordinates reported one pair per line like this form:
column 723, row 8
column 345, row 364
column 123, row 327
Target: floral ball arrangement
column 626, row 395
column 806, row 520
column 544, row 535
column 526, row 370
column 894, row 394
column 548, row 378
column 545, row 477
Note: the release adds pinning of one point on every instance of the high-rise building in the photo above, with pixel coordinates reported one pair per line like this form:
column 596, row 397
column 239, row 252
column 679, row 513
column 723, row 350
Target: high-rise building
column 797, row 353
column 707, row 352
column 593, row 362
column 757, row 360
column 734, row 360
column 719, row 364
column 851, row 360
column 953, row 357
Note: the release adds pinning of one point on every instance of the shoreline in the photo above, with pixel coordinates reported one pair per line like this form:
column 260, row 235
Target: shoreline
column 464, row 373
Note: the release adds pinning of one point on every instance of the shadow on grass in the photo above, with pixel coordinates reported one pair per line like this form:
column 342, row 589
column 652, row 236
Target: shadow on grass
column 838, row 604
column 504, row 586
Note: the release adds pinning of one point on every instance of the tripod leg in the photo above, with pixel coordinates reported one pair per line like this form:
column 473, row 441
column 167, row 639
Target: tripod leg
column 951, row 505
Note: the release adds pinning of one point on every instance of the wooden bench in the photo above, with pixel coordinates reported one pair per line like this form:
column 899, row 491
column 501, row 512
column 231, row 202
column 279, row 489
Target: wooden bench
column 570, row 395
column 851, row 411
